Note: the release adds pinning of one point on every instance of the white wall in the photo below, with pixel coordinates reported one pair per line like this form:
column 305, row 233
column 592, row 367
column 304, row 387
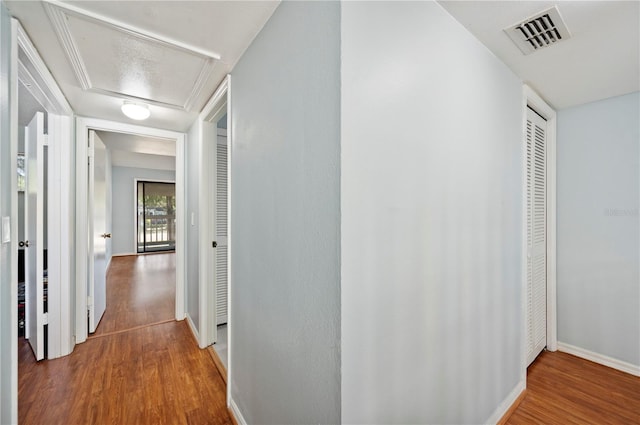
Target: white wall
column 192, row 289
column 123, row 206
column 431, row 198
column 285, row 219
column 599, row 228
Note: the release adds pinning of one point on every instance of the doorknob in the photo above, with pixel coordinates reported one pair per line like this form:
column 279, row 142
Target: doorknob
column 21, row 244
column 106, row 235
column 26, row 244
column 214, row 244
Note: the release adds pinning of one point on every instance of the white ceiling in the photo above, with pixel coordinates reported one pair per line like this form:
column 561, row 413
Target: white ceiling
column 139, row 152
column 173, row 54
column 600, row 60
column 131, row 143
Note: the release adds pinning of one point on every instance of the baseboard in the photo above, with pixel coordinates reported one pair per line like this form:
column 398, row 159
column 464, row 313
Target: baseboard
column 599, row 358
column 219, row 365
column 508, row 405
column 125, row 254
column 235, row 414
column 194, row 331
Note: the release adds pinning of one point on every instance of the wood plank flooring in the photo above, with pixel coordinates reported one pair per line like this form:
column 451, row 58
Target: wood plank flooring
column 138, row 372
column 140, row 291
column 564, row 389
column 153, row 374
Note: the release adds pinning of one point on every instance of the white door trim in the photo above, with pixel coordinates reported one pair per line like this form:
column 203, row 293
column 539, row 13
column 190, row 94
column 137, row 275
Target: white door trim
column 31, row 70
column 532, row 99
column 83, row 125
column 207, row 302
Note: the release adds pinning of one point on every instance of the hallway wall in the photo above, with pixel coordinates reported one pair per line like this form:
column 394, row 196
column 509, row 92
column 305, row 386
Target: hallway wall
column 192, row 228
column 285, row 219
column 432, row 220
column 599, row 228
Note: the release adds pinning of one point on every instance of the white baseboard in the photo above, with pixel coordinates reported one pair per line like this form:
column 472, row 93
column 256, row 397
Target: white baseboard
column 194, row 331
column 506, row 403
column 600, row 359
column 124, row 254
column 236, row 412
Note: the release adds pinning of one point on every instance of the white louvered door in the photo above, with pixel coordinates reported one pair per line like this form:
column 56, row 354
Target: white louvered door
column 536, row 143
column 221, row 229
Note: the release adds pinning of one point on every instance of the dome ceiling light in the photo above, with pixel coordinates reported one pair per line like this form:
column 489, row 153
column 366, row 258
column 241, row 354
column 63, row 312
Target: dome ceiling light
column 136, row 111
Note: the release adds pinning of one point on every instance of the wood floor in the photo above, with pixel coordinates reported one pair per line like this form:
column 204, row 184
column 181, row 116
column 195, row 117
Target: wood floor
column 149, row 375
column 136, row 371
column 563, row 389
column 140, row 291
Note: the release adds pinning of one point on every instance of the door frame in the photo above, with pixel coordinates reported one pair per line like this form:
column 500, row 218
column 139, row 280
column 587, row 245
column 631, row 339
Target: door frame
column 532, row 99
column 35, row 76
column 83, row 125
column 207, row 301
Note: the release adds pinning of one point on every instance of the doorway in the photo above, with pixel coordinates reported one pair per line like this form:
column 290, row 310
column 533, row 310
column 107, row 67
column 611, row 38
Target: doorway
column 215, row 240
column 144, row 164
column 133, row 181
column 43, row 138
column 220, row 237
column 539, row 236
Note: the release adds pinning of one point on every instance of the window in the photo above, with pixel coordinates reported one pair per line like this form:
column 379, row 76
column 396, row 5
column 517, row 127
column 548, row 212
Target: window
column 156, row 216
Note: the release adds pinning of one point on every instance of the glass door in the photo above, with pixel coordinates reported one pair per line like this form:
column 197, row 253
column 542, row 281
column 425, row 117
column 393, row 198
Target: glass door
column 156, row 216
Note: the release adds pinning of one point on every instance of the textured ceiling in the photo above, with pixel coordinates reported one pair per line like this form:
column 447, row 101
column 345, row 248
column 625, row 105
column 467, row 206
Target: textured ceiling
column 121, row 64
column 600, row 60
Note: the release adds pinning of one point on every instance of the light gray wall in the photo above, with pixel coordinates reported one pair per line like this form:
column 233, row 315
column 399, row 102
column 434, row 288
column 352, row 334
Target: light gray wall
column 192, row 288
column 432, row 321
column 599, row 228
column 123, row 205
column 285, row 222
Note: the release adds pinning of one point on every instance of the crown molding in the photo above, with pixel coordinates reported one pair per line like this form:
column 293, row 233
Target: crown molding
column 59, row 13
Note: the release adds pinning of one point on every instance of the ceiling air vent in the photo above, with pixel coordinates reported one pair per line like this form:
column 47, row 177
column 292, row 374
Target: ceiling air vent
column 541, row 30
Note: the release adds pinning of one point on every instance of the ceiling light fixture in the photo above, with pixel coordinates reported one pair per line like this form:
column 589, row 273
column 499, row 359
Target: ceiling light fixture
column 136, row 111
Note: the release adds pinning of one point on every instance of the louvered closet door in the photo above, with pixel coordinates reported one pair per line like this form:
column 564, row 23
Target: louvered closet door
column 536, row 235
column 221, row 252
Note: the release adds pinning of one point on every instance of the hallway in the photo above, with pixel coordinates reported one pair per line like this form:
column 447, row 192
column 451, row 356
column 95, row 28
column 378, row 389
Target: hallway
column 136, row 370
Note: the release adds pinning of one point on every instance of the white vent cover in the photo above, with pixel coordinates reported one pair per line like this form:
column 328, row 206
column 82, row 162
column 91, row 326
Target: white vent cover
column 541, row 30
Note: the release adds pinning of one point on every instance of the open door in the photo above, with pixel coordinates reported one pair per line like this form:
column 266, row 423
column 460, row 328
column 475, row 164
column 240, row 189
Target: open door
column 34, row 235
column 97, row 290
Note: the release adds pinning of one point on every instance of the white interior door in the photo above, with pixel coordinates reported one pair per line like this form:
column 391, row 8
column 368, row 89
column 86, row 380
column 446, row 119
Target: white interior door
column 34, row 235
column 536, row 141
column 97, row 290
column 221, row 229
